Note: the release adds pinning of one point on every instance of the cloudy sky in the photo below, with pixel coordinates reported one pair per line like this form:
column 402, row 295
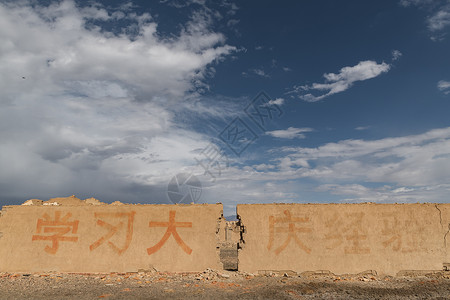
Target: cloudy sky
column 112, row 99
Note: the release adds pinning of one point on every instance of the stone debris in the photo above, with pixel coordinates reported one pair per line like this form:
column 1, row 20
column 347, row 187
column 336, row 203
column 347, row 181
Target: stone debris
column 208, row 275
column 117, row 203
column 72, row 200
column 33, row 202
column 93, row 201
column 213, row 284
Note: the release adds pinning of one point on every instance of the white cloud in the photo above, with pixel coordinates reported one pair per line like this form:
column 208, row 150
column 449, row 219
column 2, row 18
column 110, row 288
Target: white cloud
column 182, row 4
column 286, row 69
column 260, row 72
column 360, row 128
column 277, row 101
column 256, row 71
column 440, row 19
column 290, row 133
column 386, row 193
column 411, row 160
column 232, row 22
column 147, row 64
column 97, row 112
column 396, row 54
column 444, row 86
column 273, row 63
column 337, row 83
column 407, row 3
column 413, row 168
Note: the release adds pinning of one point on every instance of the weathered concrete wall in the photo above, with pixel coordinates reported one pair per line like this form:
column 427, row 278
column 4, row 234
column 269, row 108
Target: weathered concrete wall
column 344, row 238
column 73, row 235
column 81, row 237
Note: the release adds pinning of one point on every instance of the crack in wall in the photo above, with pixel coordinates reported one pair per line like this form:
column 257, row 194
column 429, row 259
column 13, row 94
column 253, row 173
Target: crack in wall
column 241, row 232
column 445, row 236
column 218, row 239
column 219, row 221
column 442, row 225
column 440, row 214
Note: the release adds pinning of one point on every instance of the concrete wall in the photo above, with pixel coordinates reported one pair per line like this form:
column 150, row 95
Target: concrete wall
column 344, row 238
column 75, row 236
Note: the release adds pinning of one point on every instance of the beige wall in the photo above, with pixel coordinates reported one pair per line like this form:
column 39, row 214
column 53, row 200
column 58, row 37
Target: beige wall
column 90, row 236
column 76, row 237
column 344, row 238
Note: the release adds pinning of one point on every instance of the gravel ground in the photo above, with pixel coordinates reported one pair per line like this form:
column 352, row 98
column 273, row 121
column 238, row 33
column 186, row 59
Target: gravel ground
column 222, row 285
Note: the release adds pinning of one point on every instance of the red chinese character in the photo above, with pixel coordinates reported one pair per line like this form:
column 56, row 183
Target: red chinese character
column 402, row 235
column 171, row 230
column 349, row 232
column 113, row 229
column 291, row 230
column 55, row 230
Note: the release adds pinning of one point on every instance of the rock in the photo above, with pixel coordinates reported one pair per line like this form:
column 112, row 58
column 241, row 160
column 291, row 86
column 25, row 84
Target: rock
column 72, row 200
column 51, row 203
column 93, row 201
column 33, row 202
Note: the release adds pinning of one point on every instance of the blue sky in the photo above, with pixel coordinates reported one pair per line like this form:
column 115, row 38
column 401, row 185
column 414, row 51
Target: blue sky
column 112, row 99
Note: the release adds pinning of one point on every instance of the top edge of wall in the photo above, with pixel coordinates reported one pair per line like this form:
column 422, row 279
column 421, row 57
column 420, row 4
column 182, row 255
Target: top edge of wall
column 332, row 204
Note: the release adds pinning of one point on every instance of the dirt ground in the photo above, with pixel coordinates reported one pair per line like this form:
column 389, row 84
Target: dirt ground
column 224, row 285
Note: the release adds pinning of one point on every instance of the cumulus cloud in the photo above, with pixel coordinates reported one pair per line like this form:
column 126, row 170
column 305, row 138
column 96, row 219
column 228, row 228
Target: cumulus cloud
column 439, row 15
column 444, row 86
column 339, row 82
column 232, row 22
column 290, row 133
column 407, row 3
column 415, row 160
column 181, row 4
column 146, row 64
column 396, row 54
column 277, row 101
column 412, row 168
column 440, row 19
column 92, row 109
column 258, row 72
column 386, row 193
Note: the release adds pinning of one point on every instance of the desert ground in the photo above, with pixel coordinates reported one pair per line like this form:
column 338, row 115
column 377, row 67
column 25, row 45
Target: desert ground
column 211, row 284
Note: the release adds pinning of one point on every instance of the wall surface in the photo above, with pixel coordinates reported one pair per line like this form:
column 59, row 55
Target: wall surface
column 75, row 236
column 344, row 238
